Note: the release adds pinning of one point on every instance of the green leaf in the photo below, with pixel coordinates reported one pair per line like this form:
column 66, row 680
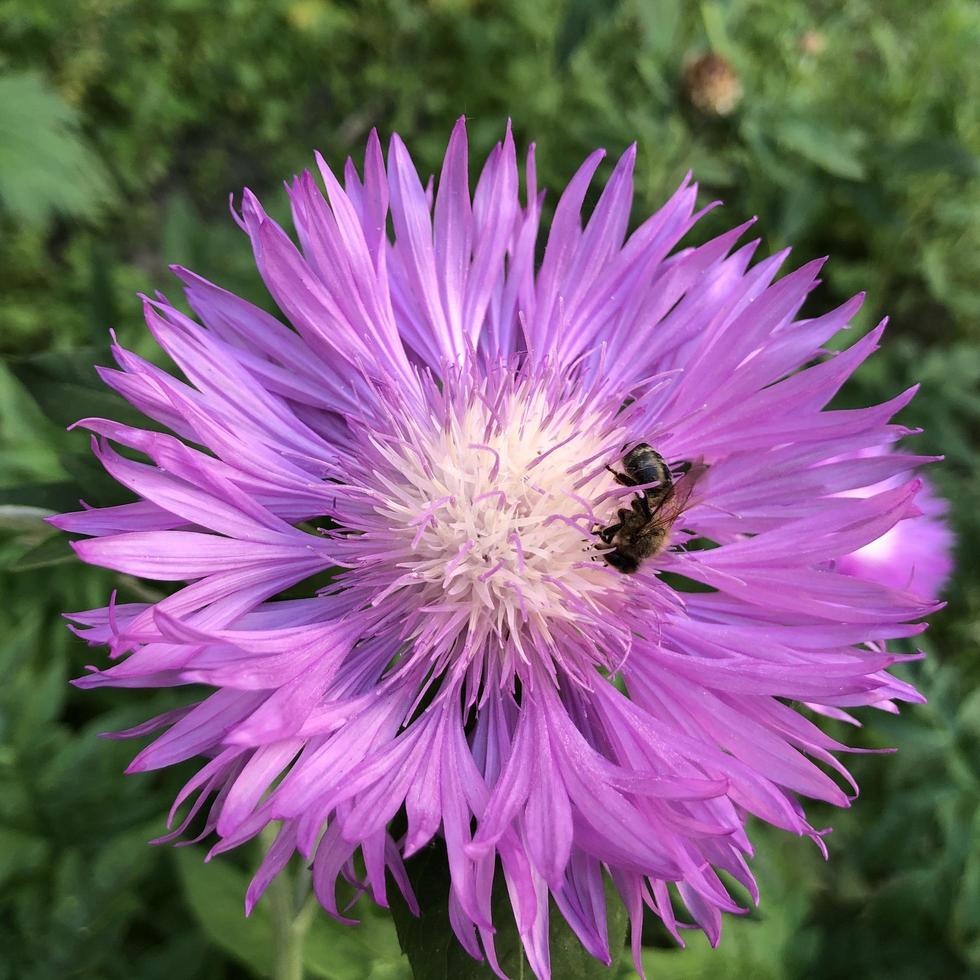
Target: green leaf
column 367, row 951
column 20, row 853
column 968, row 715
column 660, row 21
column 215, row 893
column 54, row 550
column 21, row 519
column 53, row 497
column 966, row 911
column 331, row 950
column 65, row 402
column 67, row 388
column 102, row 302
column 930, row 154
column 435, row 953
column 45, row 165
column 580, row 17
column 767, row 943
column 42, row 702
column 715, row 28
column 68, row 366
column 835, row 151
column 92, row 483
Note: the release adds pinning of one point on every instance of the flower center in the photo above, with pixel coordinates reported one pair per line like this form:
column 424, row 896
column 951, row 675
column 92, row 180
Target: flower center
column 508, row 522
column 491, row 509
column 502, row 514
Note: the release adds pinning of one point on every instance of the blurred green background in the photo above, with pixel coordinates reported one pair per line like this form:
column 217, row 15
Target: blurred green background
column 851, row 129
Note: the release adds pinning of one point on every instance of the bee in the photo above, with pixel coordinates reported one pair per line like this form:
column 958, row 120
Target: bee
column 643, row 529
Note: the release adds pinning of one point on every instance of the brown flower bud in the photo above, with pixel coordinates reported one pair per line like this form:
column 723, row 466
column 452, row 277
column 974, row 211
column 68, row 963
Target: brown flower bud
column 712, row 86
column 813, row 43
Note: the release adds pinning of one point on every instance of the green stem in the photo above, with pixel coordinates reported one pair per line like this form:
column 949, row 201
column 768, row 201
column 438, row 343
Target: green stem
column 291, row 920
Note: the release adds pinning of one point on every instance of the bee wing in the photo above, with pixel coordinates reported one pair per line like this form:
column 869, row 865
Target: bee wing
column 679, row 500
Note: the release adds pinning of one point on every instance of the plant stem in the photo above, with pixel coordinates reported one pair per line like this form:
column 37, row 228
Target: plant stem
column 290, row 922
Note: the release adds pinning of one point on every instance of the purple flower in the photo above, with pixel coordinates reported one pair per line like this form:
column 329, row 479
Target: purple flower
column 916, row 554
column 442, row 424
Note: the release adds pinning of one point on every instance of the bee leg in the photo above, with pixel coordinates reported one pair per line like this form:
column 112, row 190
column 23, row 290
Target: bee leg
column 641, row 506
column 622, row 478
column 655, row 499
column 608, row 533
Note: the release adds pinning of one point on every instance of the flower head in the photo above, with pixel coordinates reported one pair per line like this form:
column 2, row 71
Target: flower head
column 450, row 429
column 916, row 554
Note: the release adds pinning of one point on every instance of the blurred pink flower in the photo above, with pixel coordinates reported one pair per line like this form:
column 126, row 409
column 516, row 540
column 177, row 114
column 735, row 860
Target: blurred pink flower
column 915, row 555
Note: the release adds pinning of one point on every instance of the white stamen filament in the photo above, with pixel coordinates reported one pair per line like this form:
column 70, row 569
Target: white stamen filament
column 492, row 519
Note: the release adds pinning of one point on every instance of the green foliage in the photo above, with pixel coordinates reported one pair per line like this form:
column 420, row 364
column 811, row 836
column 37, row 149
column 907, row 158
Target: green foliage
column 770, row 942
column 435, row 954
column 189, row 101
column 82, row 893
column 331, row 950
column 45, row 166
column 124, row 126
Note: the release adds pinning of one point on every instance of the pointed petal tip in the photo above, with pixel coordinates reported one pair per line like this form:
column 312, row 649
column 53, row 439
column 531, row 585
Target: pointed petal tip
column 251, row 209
column 235, row 216
column 373, row 145
column 396, row 143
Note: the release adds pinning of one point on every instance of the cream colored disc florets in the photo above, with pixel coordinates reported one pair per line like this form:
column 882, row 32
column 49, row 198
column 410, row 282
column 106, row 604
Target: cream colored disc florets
column 499, row 509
